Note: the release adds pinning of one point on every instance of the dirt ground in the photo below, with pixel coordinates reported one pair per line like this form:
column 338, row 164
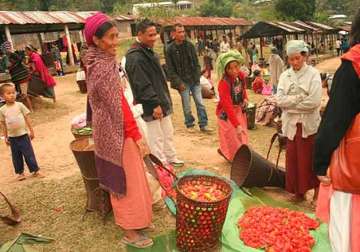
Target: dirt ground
column 52, row 138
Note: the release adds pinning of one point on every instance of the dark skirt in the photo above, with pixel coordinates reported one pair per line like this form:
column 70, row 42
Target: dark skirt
column 300, row 176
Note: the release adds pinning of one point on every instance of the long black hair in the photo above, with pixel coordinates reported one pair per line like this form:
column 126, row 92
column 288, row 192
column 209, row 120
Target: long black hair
column 355, row 30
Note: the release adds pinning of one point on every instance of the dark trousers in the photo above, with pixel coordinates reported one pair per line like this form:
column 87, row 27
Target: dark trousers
column 21, row 149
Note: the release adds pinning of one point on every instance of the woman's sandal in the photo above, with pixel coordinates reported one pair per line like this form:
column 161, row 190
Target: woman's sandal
column 141, row 242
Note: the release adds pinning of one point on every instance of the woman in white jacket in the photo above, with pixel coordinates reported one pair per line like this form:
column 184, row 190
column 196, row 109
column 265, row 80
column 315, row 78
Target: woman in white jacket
column 299, row 97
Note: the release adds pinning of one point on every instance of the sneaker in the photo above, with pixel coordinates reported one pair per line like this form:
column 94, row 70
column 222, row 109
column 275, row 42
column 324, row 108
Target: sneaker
column 205, row 129
column 21, row 177
column 37, row 174
column 177, row 163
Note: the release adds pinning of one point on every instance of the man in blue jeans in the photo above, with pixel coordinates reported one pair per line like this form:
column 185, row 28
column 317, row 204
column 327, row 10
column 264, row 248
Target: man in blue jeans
column 184, row 74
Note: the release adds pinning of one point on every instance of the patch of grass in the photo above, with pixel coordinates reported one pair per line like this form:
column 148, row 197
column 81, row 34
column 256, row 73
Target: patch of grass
column 55, row 209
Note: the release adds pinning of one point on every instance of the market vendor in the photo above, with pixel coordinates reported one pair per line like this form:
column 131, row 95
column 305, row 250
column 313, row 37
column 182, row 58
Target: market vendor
column 232, row 121
column 337, row 150
column 299, row 96
column 118, row 143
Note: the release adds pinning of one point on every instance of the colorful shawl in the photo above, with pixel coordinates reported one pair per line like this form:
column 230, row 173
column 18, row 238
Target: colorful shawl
column 40, row 67
column 105, row 96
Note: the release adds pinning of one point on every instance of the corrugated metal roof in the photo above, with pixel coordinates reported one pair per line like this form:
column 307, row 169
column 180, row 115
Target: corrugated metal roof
column 291, row 26
column 286, row 27
column 204, row 21
column 43, row 17
column 124, row 18
column 322, row 26
column 306, row 26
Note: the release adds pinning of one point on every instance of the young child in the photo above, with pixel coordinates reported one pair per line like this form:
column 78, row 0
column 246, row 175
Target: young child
column 15, row 122
column 258, row 83
column 230, row 111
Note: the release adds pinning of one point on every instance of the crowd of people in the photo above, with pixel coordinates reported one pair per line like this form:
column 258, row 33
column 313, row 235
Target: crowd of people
column 130, row 109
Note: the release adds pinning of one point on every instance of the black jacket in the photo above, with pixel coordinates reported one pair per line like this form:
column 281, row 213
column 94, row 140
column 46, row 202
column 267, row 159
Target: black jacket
column 182, row 68
column 343, row 106
column 147, row 81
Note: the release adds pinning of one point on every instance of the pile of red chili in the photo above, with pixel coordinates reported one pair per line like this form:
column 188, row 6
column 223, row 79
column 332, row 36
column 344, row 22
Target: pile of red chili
column 277, row 230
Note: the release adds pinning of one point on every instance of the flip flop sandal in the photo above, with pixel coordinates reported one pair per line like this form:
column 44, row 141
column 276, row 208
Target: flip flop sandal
column 138, row 243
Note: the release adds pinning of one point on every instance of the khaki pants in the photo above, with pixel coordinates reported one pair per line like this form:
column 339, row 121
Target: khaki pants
column 160, row 139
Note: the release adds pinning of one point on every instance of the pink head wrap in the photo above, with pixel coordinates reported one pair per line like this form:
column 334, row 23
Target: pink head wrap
column 92, row 24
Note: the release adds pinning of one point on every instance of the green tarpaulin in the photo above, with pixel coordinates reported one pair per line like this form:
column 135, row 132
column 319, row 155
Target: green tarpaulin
column 22, row 242
column 240, row 201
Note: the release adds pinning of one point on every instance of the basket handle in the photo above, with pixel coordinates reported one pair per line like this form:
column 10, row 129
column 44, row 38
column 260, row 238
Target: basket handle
column 157, row 161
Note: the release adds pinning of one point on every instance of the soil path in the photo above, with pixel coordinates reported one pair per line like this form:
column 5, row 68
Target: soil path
column 52, row 135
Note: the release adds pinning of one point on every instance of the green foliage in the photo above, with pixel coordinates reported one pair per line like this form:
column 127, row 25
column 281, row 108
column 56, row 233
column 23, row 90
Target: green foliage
column 218, row 8
column 163, row 12
column 296, row 9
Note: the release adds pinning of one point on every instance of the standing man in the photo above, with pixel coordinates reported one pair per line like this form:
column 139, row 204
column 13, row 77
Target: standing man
column 148, row 83
column 184, row 73
column 338, row 46
column 276, row 68
column 337, row 149
column 224, row 45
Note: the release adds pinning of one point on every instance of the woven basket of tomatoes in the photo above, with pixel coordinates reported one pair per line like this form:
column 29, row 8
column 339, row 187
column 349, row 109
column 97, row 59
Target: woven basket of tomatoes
column 202, row 203
column 277, row 229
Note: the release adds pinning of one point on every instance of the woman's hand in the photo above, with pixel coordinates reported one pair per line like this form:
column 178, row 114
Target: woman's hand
column 143, row 147
column 245, row 104
column 157, row 113
column 240, row 131
column 324, row 180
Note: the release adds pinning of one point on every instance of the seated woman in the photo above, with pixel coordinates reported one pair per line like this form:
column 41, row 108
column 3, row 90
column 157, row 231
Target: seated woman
column 119, row 147
column 230, row 111
column 207, row 88
column 38, row 67
column 20, row 77
column 258, row 82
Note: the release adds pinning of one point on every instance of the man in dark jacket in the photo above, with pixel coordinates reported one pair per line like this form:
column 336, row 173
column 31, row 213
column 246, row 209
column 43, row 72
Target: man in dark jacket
column 184, row 74
column 149, row 86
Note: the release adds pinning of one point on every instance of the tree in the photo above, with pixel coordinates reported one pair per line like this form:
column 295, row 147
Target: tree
column 296, row 9
column 218, row 8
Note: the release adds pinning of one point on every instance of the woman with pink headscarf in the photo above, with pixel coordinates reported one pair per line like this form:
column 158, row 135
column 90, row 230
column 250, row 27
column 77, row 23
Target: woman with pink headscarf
column 119, row 146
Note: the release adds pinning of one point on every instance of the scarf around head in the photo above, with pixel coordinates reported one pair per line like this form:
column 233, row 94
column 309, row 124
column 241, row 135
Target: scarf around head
column 92, row 24
column 105, row 97
column 296, row 46
column 226, row 58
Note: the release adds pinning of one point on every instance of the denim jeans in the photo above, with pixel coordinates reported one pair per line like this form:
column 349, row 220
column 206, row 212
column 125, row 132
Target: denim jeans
column 201, row 111
column 21, row 149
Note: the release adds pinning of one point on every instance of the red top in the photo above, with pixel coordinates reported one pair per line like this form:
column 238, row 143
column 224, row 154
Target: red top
column 225, row 103
column 131, row 128
column 258, row 85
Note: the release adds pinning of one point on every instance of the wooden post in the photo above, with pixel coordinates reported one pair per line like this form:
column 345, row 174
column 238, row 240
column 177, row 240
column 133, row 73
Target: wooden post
column 70, row 51
column 261, row 47
column 41, row 38
column 81, row 35
column 8, row 36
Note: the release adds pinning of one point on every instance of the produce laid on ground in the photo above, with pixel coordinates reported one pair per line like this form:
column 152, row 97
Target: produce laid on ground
column 277, row 229
column 206, row 192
